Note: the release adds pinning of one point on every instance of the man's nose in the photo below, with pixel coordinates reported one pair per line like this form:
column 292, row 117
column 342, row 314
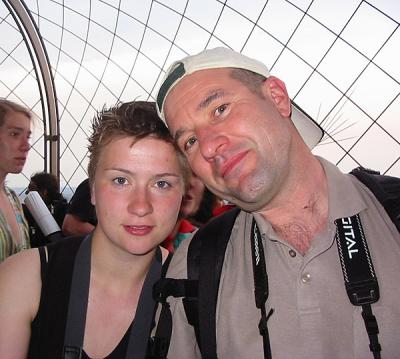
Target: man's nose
column 211, row 142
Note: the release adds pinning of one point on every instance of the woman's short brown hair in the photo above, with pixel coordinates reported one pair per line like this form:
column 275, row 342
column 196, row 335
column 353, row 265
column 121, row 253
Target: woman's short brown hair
column 137, row 119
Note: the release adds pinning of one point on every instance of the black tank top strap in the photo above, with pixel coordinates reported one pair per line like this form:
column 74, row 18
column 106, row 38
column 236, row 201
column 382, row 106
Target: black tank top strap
column 43, row 262
column 47, row 329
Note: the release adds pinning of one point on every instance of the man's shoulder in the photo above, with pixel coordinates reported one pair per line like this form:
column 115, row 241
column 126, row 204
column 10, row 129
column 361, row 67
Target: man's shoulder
column 178, row 267
column 384, row 189
column 217, row 229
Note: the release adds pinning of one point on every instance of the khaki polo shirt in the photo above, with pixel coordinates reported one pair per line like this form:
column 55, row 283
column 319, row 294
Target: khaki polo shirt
column 313, row 317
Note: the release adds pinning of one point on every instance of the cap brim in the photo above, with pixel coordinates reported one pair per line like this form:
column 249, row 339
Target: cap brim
column 310, row 131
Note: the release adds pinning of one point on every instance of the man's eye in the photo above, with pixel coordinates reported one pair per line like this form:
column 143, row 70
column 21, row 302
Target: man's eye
column 162, row 184
column 220, row 109
column 120, row 181
column 189, row 143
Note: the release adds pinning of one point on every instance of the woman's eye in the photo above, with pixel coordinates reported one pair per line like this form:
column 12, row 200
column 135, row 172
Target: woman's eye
column 189, row 143
column 120, row 181
column 162, row 184
column 220, row 109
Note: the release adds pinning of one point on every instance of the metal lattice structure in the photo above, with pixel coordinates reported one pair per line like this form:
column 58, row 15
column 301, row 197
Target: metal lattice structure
column 337, row 58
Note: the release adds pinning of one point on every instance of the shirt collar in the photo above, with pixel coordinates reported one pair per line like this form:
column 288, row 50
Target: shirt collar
column 343, row 196
column 344, row 199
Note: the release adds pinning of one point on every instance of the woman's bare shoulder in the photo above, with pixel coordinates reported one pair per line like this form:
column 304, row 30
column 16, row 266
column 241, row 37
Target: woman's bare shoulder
column 20, row 278
column 23, row 263
column 20, row 286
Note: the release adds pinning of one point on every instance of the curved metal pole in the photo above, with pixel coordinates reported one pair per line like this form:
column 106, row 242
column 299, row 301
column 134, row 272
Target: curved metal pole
column 35, row 45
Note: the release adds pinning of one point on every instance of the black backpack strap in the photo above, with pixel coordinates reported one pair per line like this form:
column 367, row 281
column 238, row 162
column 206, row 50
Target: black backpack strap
column 385, row 188
column 164, row 288
column 141, row 327
column 214, row 238
column 205, row 255
column 78, row 301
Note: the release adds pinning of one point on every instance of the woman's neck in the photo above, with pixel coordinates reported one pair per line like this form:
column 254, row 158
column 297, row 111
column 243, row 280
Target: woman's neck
column 117, row 268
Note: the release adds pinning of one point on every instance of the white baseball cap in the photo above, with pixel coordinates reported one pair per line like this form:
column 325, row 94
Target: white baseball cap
column 222, row 57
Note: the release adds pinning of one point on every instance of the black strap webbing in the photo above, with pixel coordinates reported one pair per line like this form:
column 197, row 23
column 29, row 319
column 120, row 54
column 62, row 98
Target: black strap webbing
column 208, row 292
column 77, row 308
column 213, row 238
column 76, row 317
column 372, row 329
column 260, row 286
column 359, row 274
column 141, row 327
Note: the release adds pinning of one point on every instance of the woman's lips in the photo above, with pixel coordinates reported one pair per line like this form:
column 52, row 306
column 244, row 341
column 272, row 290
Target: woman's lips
column 138, row 230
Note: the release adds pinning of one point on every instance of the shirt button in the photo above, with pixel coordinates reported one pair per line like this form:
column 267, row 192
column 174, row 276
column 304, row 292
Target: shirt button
column 292, row 253
column 306, row 278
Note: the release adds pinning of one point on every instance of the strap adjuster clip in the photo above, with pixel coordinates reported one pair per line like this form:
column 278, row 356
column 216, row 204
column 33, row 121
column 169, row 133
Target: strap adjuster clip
column 364, row 292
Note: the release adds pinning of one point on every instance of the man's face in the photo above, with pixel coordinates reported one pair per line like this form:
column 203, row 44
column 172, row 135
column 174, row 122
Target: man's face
column 236, row 141
column 14, row 142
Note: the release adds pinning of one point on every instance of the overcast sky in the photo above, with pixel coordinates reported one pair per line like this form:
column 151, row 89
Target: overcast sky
column 339, row 60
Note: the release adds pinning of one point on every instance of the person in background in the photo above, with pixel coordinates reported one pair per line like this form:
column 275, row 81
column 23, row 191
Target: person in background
column 250, row 144
column 46, row 185
column 15, row 132
column 81, row 214
column 210, row 206
column 199, row 205
column 190, row 204
column 137, row 179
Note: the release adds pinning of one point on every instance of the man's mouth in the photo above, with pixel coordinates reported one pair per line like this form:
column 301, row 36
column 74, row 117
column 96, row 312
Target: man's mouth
column 232, row 163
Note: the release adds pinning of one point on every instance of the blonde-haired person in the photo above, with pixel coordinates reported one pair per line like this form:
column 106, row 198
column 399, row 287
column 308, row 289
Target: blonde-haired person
column 15, row 132
column 137, row 180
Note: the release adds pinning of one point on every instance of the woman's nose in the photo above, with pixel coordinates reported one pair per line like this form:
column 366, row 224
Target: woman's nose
column 140, row 203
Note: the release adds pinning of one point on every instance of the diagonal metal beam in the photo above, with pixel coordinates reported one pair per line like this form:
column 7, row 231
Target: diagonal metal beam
column 41, row 63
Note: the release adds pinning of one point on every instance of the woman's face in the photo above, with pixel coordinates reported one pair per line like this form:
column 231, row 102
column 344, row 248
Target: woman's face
column 137, row 191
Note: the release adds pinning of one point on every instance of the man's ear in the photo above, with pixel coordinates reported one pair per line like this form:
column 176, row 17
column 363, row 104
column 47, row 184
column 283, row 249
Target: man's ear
column 277, row 92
